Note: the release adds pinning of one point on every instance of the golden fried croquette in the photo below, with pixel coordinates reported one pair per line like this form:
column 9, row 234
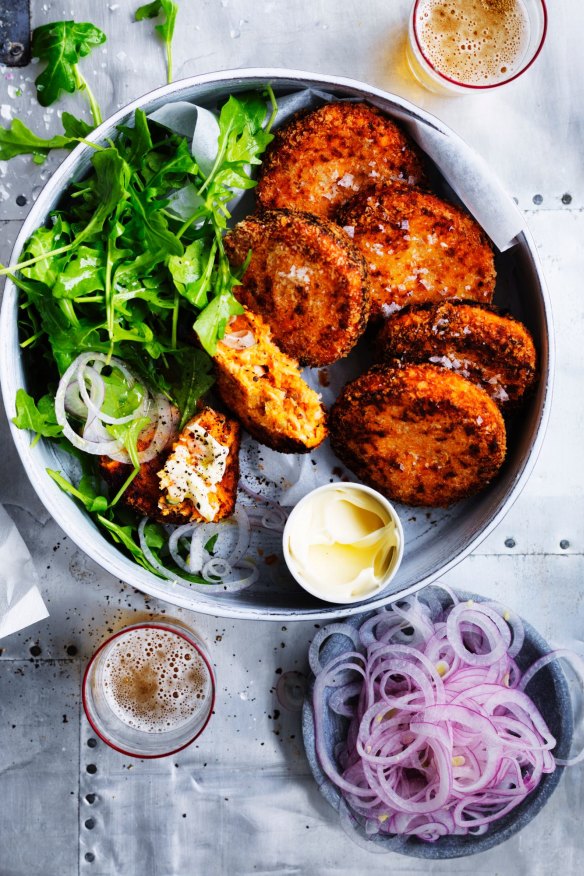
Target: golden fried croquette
column 418, row 248
column 264, row 389
column 494, row 351
column 167, row 495
column 307, row 281
column 321, row 158
column 419, row 434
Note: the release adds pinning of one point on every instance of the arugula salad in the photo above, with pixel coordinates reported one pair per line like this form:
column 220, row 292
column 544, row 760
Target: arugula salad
column 125, row 292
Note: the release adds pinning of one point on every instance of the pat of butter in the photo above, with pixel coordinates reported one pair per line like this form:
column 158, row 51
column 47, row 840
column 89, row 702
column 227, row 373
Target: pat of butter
column 342, row 543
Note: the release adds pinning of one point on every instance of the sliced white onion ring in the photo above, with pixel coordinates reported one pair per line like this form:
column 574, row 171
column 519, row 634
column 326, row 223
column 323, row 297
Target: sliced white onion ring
column 97, row 448
column 215, row 587
column 166, row 425
column 274, row 517
column 205, row 531
column 216, row 568
column 239, row 340
column 74, row 396
column 180, row 532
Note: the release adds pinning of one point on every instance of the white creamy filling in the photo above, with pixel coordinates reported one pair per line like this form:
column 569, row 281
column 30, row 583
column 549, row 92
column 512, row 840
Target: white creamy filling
column 194, row 475
column 344, row 544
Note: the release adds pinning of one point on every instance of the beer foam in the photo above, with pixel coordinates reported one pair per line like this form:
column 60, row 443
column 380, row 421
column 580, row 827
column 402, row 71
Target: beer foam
column 154, row 681
column 476, row 42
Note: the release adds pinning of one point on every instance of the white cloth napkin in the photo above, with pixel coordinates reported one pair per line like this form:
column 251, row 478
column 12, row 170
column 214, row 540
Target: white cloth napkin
column 21, row 603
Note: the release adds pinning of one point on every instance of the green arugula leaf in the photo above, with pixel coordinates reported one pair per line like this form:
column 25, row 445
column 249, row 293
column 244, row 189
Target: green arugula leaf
column 209, row 546
column 195, row 370
column 166, row 28
column 74, row 127
column 125, row 535
column 210, row 325
column 91, row 502
column 41, row 246
column 155, row 536
column 120, row 399
column 82, row 275
column 108, row 188
column 20, row 140
column 62, row 44
column 192, row 272
column 155, row 232
column 169, row 172
column 39, row 418
column 138, row 140
column 129, row 434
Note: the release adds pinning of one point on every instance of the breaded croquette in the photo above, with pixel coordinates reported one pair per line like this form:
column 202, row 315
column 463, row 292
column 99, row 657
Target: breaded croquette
column 200, row 476
column 418, row 248
column 419, row 434
column 494, row 351
column 195, row 479
column 321, row 158
column 264, row 389
column 307, row 281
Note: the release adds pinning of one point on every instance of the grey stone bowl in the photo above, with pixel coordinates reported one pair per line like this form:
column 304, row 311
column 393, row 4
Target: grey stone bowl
column 548, row 690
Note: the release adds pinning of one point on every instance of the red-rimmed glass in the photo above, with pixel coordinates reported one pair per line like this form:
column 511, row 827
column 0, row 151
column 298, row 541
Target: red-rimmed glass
column 110, row 724
column 439, row 80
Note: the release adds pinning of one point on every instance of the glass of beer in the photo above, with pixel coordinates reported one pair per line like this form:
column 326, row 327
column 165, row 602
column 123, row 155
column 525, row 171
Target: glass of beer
column 149, row 690
column 459, row 46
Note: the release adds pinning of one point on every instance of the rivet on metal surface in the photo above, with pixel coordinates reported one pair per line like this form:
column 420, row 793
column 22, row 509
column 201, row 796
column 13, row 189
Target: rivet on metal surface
column 90, row 823
column 21, row 200
column 92, row 742
column 89, row 856
column 510, row 542
column 564, row 544
column 91, row 768
column 15, row 33
column 90, row 798
column 566, row 199
column 537, row 199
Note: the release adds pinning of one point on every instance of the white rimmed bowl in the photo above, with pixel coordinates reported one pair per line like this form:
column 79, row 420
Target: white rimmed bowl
column 303, row 507
column 436, row 540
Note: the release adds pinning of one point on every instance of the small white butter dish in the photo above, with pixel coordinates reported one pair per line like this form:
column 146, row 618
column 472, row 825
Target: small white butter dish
column 343, row 542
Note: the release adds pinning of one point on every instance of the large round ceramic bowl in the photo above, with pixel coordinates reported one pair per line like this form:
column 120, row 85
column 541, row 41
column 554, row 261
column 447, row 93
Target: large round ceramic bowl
column 435, row 539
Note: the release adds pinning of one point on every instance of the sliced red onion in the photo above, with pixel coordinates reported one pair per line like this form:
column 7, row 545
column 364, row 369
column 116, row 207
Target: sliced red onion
column 442, row 738
column 492, row 627
column 275, row 519
column 516, row 624
column 578, row 664
column 322, row 635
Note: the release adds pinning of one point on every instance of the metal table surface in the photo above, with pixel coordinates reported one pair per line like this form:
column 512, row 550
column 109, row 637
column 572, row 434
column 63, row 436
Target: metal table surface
column 242, row 799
